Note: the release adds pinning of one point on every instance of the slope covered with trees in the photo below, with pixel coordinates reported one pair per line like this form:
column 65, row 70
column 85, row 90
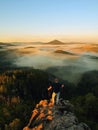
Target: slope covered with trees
column 21, row 89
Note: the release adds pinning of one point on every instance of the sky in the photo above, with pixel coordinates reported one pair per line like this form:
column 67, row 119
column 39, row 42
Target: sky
column 46, row 20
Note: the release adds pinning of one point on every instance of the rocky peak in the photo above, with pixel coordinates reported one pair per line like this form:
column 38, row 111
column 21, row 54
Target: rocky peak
column 47, row 116
column 55, row 42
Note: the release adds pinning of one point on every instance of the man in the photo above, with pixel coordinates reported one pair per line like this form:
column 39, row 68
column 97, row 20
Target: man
column 56, row 87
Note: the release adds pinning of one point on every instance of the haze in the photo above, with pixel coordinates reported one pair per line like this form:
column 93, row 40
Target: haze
column 64, row 60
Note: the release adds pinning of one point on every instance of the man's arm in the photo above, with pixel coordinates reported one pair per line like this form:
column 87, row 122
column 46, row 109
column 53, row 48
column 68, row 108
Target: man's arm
column 62, row 85
column 50, row 87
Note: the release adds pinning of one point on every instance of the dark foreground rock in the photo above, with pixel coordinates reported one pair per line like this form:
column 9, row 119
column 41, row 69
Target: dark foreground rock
column 47, row 116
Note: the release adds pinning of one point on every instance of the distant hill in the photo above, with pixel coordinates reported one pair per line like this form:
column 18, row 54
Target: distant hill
column 6, row 44
column 55, row 42
column 3, row 44
column 64, row 52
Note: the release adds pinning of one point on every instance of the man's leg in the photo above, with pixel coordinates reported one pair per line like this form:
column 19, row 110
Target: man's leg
column 57, row 97
column 53, row 97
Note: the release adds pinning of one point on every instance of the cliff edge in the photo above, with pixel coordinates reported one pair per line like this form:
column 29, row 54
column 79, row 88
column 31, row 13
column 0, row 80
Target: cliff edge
column 47, row 116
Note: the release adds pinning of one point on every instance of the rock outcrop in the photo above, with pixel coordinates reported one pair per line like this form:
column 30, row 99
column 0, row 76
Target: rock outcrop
column 47, row 116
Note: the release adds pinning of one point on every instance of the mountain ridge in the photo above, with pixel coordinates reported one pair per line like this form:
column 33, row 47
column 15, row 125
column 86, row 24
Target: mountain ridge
column 47, row 116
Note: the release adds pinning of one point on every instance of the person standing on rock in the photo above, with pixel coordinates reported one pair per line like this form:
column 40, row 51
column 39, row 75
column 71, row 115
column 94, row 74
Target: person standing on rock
column 56, row 87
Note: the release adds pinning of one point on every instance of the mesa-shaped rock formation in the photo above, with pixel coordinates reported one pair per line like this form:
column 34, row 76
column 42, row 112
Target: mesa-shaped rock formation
column 47, row 116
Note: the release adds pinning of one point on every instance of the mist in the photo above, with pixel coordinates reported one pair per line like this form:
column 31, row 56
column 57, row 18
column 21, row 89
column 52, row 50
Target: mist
column 67, row 61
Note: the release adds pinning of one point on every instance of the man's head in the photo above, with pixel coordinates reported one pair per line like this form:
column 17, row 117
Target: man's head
column 56, row 80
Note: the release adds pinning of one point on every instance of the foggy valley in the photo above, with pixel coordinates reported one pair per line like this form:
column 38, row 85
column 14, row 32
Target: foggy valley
column 64, row 60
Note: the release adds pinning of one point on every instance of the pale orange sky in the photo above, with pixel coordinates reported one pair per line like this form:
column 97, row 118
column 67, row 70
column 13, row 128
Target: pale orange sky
column 47, row 38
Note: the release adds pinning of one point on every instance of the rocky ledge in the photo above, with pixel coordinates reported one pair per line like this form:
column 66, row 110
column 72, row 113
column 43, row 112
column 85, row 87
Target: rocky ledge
column 47, row 116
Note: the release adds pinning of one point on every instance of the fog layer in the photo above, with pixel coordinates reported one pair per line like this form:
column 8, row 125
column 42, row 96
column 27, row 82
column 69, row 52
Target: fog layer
column 67, row 61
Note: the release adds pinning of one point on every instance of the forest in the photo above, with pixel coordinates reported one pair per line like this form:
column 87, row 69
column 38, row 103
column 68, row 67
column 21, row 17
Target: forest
column 22, row 88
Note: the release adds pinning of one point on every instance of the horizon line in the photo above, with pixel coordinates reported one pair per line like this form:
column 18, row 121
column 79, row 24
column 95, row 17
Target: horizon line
column 49, row 41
